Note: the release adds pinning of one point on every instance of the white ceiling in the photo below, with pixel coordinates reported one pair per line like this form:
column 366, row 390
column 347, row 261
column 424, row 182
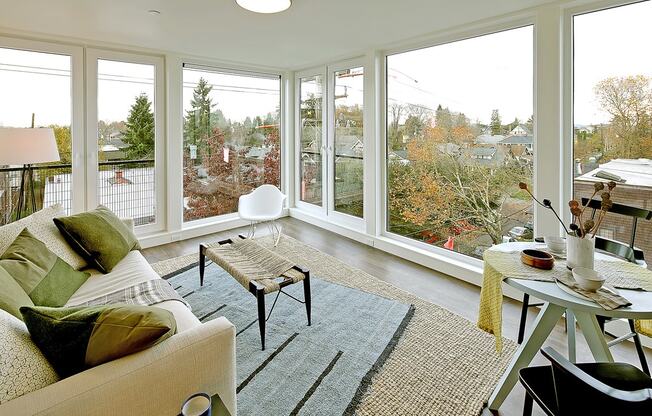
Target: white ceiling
column 310, row 32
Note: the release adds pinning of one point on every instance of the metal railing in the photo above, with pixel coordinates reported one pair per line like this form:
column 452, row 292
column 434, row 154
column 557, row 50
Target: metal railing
column 127, row 187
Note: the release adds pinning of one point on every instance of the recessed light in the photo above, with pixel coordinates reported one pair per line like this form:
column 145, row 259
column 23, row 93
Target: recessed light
column 265, row 6
column 154, row 12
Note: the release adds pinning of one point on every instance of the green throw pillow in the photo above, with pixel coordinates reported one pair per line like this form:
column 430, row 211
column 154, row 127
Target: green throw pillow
column 99, row 236
column 45, row 278
column 12, row 296
column 75, row 339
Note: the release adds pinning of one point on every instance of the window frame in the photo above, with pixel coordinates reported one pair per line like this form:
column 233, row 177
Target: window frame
column 222, row 68
column 77, row 108
column 160, row 123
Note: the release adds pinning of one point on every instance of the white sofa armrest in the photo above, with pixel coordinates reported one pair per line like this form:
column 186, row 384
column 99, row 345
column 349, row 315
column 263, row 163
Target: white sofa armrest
column 152, row 382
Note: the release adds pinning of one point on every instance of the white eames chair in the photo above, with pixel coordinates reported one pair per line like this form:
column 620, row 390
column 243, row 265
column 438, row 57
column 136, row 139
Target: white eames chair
column 264, row 204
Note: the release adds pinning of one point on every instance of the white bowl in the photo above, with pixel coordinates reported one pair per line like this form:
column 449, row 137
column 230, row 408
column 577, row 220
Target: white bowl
column 555, row 244
column 588, row 279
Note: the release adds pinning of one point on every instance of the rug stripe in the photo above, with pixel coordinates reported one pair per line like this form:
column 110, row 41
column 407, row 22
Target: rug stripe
column 189, row 293
column 211, row 313
column 316, row 384
column 264, row 364
column 181, row 270
column 245, row 328
column 366, row 380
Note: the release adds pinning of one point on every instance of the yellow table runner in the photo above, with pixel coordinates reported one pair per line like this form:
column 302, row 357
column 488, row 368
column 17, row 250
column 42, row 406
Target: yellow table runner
column 500, row 265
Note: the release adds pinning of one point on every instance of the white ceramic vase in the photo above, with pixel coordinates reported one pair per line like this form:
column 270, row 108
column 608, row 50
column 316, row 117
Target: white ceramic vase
column 580, row 252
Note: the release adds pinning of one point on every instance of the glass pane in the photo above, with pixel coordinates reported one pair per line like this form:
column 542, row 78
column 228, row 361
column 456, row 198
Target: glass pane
column 37, row 86
column 349, row 141
column 612, row 114
column 311, row 90
column 459, row 141
column 126, row 139
column 231, row 139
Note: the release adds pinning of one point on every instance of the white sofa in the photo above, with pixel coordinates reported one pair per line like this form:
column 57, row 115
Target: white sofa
column 199, row 358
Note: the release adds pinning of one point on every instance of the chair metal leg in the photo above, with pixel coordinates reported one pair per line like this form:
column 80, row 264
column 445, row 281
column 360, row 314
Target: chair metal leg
column 639, row 348
column 260, row 297
column 306, row 295
column 527, row 405
column 521, row 325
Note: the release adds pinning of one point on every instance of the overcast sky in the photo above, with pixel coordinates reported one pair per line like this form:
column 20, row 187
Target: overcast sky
column 472, row 76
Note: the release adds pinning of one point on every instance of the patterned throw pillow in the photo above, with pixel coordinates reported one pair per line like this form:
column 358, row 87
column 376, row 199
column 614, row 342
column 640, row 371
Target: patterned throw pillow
column 47, row 280
column 74, row 339
column 12, row 296
column 41, row 226
column 99, row 236
column 23, row 368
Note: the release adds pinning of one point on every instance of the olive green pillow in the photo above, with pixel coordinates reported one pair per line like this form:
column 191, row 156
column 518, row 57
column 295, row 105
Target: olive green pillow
column 75, row 339
column 12, row 296
column 45, row 278
column 99, row 236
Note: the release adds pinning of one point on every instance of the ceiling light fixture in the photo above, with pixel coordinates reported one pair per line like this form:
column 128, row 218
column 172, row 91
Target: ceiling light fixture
column 265, row 6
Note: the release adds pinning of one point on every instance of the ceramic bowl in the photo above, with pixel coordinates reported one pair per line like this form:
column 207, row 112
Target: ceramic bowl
column 588, row 279
column 555, row 244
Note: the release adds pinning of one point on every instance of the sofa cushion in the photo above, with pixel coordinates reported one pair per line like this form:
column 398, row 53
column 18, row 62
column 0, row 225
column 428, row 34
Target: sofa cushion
column 12, row 296
column 47, row 280
column 131, row 270
column 40, row 224
column 99, row 236
column 23, row 368
column 74, row 339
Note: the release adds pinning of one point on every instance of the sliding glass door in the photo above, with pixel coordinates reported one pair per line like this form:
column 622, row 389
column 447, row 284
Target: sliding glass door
column 330, row 139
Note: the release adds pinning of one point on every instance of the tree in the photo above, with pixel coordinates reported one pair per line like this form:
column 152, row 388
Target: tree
column 394, row 138
column 496, row 123
column 272, row 161
column 64, row 142
column 628, row 100
column 139, row 131
column 197, row 128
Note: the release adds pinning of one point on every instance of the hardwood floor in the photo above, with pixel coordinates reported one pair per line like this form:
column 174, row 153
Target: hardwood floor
column 448, row 292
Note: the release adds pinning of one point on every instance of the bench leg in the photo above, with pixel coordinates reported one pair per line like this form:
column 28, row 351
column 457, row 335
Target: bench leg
column 260, row 297
column 306, row 294
column 202, row 264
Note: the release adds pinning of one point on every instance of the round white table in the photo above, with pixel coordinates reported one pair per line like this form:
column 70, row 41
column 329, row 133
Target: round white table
column 558, row 302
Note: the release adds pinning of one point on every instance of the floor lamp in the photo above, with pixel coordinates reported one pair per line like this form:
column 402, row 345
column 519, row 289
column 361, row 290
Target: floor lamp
column 26, row 147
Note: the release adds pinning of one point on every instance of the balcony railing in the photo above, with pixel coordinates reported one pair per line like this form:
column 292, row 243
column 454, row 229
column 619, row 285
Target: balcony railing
column 127, row 187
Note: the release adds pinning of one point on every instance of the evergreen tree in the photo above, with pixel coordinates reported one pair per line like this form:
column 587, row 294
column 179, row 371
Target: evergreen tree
column 139, row 131
column 197, row 126
column 496, row 123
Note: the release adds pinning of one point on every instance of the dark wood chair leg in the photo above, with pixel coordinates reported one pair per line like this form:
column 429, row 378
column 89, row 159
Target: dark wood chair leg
column 202, row 263
column 639, row 348
column 527, row 405
column 306, row 294
column 260, row 297
column 521, row 325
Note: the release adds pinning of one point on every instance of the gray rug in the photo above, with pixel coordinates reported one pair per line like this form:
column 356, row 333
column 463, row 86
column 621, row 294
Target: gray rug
column 322, row 369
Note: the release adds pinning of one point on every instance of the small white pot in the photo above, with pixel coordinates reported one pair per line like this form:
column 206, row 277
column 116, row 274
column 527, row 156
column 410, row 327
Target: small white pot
column 580, row 252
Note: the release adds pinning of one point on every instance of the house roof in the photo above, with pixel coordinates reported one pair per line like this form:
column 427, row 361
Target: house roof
column 489, row 139
column 483, row 151
column 517, row 140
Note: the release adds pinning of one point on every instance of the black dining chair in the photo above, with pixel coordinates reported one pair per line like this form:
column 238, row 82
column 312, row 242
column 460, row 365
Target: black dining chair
column 626, row 251
column 564, row 388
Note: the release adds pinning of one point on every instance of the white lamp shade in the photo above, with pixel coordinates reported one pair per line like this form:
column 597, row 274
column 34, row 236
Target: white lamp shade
column 265, row 6
column 27, row 146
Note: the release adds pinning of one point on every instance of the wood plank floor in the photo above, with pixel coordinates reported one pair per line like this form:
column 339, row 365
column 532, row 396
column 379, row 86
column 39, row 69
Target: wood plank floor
column 448, row 292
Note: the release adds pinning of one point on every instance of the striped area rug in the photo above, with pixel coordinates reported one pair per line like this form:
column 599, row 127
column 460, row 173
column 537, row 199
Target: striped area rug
column 325, row 368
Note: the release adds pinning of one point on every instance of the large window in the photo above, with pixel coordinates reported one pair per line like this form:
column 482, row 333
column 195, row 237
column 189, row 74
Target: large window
column 612, row 112
column 459, row 141
column 349, row 141
column 231, row 140
column 35, row 90
column 126, row 139
column 311, row 117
